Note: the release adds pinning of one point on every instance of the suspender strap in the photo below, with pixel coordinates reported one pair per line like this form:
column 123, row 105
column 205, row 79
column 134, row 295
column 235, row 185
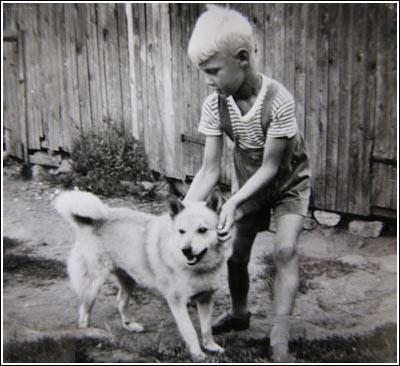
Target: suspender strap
column 266, row 113
column 224, row 117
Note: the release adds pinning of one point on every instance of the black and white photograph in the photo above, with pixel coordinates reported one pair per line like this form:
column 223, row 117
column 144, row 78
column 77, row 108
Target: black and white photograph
column 200, row 182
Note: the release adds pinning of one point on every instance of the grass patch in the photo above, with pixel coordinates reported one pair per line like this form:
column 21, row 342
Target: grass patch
column 379, row 346
column 32, row 267
column 9, row 243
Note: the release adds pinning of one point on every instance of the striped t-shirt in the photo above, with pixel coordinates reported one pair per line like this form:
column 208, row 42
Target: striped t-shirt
column 247, row 129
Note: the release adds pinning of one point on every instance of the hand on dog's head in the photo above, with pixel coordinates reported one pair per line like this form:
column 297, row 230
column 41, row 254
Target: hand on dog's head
column 214, row 202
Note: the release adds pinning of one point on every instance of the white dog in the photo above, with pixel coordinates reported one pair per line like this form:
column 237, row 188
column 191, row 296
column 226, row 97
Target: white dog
column 178, row 254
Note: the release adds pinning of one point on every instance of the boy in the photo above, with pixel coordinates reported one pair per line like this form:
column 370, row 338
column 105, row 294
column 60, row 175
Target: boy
column 270, row 159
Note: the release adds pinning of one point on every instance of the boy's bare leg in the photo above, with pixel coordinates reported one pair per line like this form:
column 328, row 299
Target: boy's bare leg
column 286, row 282
column 238, row 279
column 238, row 274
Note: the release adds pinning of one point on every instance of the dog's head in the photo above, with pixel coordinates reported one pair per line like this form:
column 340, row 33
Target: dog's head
column 194, row 227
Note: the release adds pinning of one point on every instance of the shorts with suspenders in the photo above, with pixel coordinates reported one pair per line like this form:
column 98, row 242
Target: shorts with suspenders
column 288, row 192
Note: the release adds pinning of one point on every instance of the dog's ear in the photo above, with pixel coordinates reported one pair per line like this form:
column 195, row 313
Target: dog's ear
column 174, row 205
column 215, row 200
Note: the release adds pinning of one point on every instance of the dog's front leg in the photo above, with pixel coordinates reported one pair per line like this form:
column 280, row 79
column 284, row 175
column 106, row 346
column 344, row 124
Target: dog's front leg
column 204, row 307
column 185, row 326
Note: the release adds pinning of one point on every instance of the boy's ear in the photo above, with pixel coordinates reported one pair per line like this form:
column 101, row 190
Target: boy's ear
column 174, row 205
column 243, row 56
column 215, row 200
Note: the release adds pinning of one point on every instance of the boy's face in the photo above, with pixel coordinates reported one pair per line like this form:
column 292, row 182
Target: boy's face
column 224, row 73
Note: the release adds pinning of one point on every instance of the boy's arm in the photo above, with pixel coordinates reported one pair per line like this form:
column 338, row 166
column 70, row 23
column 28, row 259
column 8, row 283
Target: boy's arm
column 273, row 152
column 208, row 175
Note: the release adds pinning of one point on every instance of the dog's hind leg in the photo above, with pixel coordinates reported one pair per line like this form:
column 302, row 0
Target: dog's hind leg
column 126, row 284
column 86, row 282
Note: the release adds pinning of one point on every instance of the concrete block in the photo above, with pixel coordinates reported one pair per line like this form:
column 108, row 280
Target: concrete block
column 42, row 158
column 327, row 218
column 366, row 229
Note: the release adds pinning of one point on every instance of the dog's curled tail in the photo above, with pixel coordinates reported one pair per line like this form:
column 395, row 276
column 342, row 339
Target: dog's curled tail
column 81, row 207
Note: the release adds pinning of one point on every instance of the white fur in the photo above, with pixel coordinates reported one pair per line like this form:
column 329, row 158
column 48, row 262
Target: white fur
column 149, row 249
column 80, row 203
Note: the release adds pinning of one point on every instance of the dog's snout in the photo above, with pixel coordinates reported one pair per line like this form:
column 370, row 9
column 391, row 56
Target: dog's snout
column 187, row 251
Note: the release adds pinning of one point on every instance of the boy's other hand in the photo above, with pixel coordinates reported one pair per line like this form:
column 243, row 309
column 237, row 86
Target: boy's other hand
column 226, row 220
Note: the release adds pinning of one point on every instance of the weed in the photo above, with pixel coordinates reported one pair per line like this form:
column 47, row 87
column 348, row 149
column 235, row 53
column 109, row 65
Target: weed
column 102, row 161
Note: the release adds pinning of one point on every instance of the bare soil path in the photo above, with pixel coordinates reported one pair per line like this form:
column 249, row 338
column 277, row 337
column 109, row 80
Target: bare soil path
column 346, row 310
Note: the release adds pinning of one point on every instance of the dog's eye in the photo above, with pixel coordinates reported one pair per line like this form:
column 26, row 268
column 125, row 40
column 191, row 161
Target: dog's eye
column 182, row 231
column 202, row 230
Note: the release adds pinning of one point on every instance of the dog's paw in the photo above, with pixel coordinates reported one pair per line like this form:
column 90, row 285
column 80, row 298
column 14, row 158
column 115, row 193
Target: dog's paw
column 280, row 353
column 133, row 326
column 212, row 347
column 198, row 356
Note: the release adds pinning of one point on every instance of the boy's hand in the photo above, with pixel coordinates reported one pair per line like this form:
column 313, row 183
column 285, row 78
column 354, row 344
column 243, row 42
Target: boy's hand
column 226, row 220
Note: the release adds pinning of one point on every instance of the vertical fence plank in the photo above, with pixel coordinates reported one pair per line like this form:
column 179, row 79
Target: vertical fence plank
column 345, row 106
column 93, row 67
column 55, row 81
column 45, row 74
column 175, row 14
column 322, row 87
column 300, row 21
column 11, row 118
column 70, row 72
column 269, row 45
column 392, row 104
column 289, row 49
column 102, row 33
column 311, row 101
column 22, row 92
column 112, row 69
column 33, row 123
column 169, row 129
column 332, row 134
column 136, row 65
column 196, row 101
column 367, row 128
column 186, row 74
column 355, row 203
column 386, row 115
column 384, row 184
column 64, row 140
column 257, row 18
column 154, row 88
column 36, row 58
column 133, row 59
column 279, row 42
column 82, row 57
column 124, row 66
column 143, row 70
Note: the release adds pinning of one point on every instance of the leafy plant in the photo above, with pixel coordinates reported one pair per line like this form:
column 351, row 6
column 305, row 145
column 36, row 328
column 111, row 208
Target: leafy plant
column 109, row 163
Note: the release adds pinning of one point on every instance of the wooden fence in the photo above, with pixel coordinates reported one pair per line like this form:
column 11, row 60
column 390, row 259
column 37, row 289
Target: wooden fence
column 72, row 70
column 73, row 67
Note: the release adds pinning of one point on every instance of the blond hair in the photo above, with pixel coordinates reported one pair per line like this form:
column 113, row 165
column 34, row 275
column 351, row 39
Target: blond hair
column 219, row 29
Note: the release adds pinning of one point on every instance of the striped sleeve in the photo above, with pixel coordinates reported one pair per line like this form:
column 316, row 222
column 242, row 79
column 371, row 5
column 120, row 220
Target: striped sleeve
column 283, row 122
column 209, row 121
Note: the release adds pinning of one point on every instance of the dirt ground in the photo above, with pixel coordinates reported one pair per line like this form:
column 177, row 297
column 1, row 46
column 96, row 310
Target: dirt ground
column 346, row 309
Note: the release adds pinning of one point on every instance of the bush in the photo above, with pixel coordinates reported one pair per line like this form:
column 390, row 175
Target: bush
column 102, row 160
